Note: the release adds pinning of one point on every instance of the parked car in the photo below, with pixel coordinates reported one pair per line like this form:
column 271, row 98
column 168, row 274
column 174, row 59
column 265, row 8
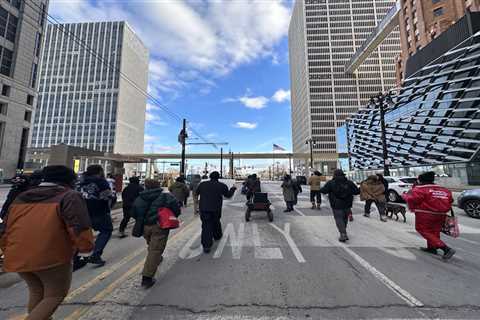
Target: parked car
column 469, row 201
column 397, row 186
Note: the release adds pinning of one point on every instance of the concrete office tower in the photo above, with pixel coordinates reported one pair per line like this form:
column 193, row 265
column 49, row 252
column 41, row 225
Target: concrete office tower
column 85, row 98
column 323, row 36
column 422, row 21
column 21, row 31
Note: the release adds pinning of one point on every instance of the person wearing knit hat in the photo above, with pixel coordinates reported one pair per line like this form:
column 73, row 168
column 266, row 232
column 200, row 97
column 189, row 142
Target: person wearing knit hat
column 431, row 203
column 47, row 224
column 211, row 195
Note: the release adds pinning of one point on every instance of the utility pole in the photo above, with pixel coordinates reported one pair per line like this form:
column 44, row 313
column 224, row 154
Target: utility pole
column 221, row 162
column 182, row 137
column 349, row 154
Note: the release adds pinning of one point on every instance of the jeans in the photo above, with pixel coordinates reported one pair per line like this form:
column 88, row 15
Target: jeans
column 341, row 219
column 47, row 289
column 125, row 220
column 102, row 224
column 380, row 207
column 211, row 227
column 157, row 241
column 315, row 194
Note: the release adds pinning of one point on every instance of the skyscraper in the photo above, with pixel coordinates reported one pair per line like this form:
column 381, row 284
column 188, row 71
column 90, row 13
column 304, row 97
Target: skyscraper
column 86, row 97
column 422, row 21
column 22, row 25
column 323, row 36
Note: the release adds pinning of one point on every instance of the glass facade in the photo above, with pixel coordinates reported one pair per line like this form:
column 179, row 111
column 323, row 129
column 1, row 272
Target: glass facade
column 434, row 119
column 323, row 37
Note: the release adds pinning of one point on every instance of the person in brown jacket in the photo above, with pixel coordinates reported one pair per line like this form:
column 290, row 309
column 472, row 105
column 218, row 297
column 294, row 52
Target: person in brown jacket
column 372, row 190
column 315, row 182
column 45, row 227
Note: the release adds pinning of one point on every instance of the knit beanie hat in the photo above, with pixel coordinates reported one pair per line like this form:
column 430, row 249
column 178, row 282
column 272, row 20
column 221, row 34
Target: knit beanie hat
column 59, row 174
column 427, row 177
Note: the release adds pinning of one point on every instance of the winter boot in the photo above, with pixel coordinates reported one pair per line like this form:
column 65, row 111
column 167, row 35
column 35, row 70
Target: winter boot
column 448, row 253
column 343, row 237
column 96, row 260
column 429, row 250
column 147, row 282
column 314, row 206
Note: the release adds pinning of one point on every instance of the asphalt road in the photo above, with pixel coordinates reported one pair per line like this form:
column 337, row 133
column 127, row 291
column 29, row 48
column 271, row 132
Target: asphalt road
column 293, row 268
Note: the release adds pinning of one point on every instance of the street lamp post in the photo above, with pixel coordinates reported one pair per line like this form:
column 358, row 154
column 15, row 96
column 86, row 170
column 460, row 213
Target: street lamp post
column 381, row 101
column 311, row 142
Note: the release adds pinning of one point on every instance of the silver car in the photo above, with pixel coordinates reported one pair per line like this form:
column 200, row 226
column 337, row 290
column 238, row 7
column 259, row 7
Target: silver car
column 469, row 201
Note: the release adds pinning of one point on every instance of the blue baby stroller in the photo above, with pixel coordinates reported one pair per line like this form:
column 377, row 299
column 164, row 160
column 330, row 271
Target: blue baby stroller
column 259, row 202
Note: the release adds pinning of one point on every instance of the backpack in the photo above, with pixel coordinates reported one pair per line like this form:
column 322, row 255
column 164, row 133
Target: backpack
column 342, row 190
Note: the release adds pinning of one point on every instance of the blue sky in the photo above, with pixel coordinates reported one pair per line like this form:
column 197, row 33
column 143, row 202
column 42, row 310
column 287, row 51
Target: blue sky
column 222, row 65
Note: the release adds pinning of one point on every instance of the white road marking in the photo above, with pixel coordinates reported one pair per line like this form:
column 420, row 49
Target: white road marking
column 291, row 243
column 187, row 252
column 236, row 241
column 260, row 252
column 403, row 294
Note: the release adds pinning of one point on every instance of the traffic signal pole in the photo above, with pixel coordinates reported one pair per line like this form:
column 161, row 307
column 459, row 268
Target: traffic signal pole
column 183, row 138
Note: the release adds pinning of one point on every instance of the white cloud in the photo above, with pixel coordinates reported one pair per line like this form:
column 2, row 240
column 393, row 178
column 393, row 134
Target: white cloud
column 281, row 95
column 245, row 125
column 152, row 107
column 212, row 36
column 254, row 102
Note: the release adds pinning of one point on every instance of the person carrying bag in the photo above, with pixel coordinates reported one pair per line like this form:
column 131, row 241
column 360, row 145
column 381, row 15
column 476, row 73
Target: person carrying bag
column 145, row 211
column 431, row 204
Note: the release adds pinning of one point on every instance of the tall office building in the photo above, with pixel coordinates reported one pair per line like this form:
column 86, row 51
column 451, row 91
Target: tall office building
column 86, row 97
column 323, row 36
column 422, row 21
column 21, row 31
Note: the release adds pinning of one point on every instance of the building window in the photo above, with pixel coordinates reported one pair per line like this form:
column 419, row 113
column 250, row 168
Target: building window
column 436, row 1
column 6, row 57
column 30, row 100
column 3, row 108
column 38, row 44
column 8, row 25
column 15, row 3
column 2, row 134
column 438, row 12
column 28, row 116
column 42, row 14
column 6, row 90
column 33, row 81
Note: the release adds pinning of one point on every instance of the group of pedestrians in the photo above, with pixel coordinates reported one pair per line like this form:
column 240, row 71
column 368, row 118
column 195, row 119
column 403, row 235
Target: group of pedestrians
column 49, row 219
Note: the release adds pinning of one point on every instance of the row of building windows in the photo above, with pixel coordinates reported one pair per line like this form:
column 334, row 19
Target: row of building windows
column 8, row 25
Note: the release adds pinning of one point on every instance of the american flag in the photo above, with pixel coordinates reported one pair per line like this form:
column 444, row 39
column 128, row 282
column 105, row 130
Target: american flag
column 276, row 147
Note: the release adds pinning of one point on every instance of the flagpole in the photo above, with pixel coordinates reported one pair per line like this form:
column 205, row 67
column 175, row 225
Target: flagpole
column 273, row 165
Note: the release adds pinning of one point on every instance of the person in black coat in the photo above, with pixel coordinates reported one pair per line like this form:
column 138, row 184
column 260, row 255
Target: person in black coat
column 20, row 183
column 211, row 200
column 340, row 192
column 129, row 194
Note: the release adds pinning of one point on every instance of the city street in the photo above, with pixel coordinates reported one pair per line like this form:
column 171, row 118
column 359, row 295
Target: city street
column 292, row 268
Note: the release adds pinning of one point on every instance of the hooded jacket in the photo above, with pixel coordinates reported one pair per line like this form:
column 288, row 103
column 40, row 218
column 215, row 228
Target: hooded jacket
column 340, row 192
column 372, row 189
column 46, row 225
column 314, row 182
column 130, row 193
column 148, row 202
column 429, row 198
column 179, row 190
column 98, row 195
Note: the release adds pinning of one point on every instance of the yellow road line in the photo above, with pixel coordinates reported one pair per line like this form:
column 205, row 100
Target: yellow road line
column 136, row 268
column 102, row 294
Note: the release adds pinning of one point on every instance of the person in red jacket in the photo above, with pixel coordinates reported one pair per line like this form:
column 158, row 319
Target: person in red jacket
column 430, row 203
